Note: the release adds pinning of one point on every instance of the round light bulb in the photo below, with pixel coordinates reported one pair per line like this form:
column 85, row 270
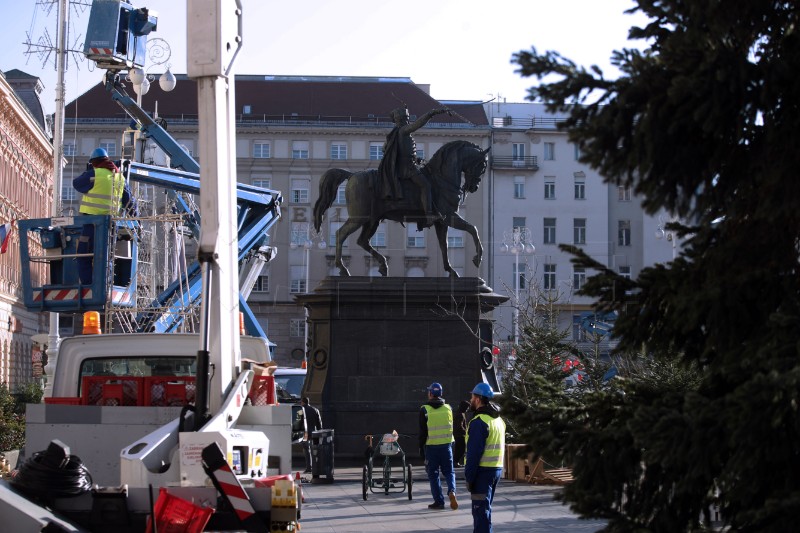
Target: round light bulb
column 322, row 245
column 136, row 75
column 167, row 81
column 143, row 87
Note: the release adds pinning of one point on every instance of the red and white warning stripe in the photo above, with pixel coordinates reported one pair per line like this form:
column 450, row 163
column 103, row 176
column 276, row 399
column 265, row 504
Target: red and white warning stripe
column 103, row 51
column 218, row 469
column 57, row 295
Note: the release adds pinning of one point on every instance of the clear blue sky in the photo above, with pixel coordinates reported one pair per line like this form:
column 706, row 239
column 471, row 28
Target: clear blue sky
column 462, row 48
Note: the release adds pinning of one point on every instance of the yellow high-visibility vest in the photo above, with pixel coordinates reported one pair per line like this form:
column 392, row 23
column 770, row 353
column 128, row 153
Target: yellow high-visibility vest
column 495, row 443
column 440, row 425
column 105, row 195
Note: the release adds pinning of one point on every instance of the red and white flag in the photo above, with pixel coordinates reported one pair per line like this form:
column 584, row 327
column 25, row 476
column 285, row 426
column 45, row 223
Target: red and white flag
column 5, row 233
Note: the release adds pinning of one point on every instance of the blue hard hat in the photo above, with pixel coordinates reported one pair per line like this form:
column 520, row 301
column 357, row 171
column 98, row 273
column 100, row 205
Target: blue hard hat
column 435, row 389
column 98, row 153
column 483, row 389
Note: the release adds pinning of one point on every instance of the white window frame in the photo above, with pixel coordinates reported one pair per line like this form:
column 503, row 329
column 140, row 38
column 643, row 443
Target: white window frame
column 341, row 197
column 549, row 277
column 578, row 278
column 624, row 232
column 375, row 151
column 519, row 275
column 299, row 234
column 625, row 272
column 623, row 193
column 264, row 183
column 455, row 238
column 69, row 149
column 110, row 147
column 262, row 150
column 299, row 149
column 379, row 239
column 549, row 188
column 338, row 150
column 297, row 279
column 300, row 190
column 68, row 192
column 414, row 238
column 578, row 151
column 297, row 327
column 580, row 188
column 549, row 236
column 549, row 151
column 579, row 231
column 518, row 151
column 261, row 284
column 519, row 187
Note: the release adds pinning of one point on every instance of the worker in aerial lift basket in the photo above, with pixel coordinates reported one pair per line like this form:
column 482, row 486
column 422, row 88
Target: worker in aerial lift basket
column 104, row 192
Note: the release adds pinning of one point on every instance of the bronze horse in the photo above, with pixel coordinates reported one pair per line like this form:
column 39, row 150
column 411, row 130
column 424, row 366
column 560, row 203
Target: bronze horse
column 366, row 208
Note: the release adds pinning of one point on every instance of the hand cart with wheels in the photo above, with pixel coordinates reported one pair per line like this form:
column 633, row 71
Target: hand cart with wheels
column 379, row 463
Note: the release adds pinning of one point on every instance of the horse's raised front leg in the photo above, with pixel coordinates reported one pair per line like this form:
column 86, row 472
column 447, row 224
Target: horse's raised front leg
column 441, row 235
column 457, row 222
column 367, row 231
column 341, row 234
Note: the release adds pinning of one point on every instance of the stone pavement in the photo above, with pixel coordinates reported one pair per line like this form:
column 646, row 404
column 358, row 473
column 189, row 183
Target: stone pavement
column 340, row 508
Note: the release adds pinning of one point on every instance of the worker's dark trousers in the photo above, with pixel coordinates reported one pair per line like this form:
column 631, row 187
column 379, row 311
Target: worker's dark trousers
column 482, row 495
column 440, row 457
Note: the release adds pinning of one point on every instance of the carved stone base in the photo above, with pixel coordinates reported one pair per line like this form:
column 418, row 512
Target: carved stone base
column 377, row 343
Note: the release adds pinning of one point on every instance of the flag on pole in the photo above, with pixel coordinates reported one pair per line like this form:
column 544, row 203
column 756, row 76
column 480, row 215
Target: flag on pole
column 5, row 233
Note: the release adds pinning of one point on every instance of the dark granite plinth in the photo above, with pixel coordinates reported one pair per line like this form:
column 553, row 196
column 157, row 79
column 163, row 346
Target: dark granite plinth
column 377, row 343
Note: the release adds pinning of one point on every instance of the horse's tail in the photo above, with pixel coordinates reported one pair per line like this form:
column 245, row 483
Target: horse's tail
column 328, row 186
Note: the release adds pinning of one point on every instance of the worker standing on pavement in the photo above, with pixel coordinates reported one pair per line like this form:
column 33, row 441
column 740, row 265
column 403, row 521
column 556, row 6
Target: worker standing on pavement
column 313, row 422
column 486, row 439
column 436, row 441
column 104, row 191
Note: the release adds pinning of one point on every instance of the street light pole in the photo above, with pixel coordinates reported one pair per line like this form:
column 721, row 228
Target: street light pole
column 517, row 242
column 311, row 237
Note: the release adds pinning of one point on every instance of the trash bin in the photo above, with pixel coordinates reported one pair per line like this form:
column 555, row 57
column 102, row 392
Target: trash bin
column 322, row 456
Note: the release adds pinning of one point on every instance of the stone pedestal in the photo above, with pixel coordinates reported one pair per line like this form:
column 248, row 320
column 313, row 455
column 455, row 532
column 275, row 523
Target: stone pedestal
column 375, row 344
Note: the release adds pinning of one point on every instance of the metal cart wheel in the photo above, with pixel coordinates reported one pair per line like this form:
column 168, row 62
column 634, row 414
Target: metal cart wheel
column 387, row 475
column 410, row 481
column 364, row 481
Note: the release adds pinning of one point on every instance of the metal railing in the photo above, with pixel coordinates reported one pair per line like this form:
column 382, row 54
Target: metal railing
column 502, row 161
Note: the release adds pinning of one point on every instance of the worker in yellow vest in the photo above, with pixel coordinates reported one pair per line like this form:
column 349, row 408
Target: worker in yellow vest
column 436, row 443
column 486, row 442
column 104, row 192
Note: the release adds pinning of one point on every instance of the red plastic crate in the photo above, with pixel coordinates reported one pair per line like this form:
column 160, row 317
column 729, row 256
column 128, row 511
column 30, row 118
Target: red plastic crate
column 169, row 391
column 176, row 515
column 112, row 390
column 62, row 400
column 262, row 391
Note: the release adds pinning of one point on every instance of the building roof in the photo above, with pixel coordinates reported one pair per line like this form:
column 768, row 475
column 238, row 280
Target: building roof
column 27, row 88
column 303, row 97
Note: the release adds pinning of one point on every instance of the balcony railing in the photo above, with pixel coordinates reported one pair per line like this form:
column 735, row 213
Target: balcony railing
column 527, row 163
column 548, row 122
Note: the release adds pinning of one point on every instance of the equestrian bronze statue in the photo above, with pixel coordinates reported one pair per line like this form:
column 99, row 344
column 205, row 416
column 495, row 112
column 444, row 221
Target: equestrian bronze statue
column 369, row 201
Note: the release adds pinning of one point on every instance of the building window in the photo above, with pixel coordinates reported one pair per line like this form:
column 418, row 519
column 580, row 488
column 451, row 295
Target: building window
column 578, row 152
column 247, row 109
column 341, row 197
column 299, row 233
column 579, row 234
column 625, row 272
column 376, row 151
column 578, row 333
column 338, row 151
column 518, row 224
column 549, row 151
column 623, row 193
column 297, row 327
column 300, row 188
column 416, row 239
column 297, row 281
column 519, row 186
column 518, row 152
column 549, row 280
column 379, row 239
column 68, row 192
column 518, row 271
column 300, row 150
column 69, row 149
column 261, row 150
column 263, row 183
column 334, row 227
column 261, row 284
column 549, row 231
column 578, row 278
column 624, row 233
column 549, row 188
column 110, row 148
column 580, row 188
column 455, row 238
column 420, row 153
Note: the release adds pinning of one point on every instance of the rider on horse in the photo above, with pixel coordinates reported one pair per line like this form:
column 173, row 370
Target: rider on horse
column 400, row 161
